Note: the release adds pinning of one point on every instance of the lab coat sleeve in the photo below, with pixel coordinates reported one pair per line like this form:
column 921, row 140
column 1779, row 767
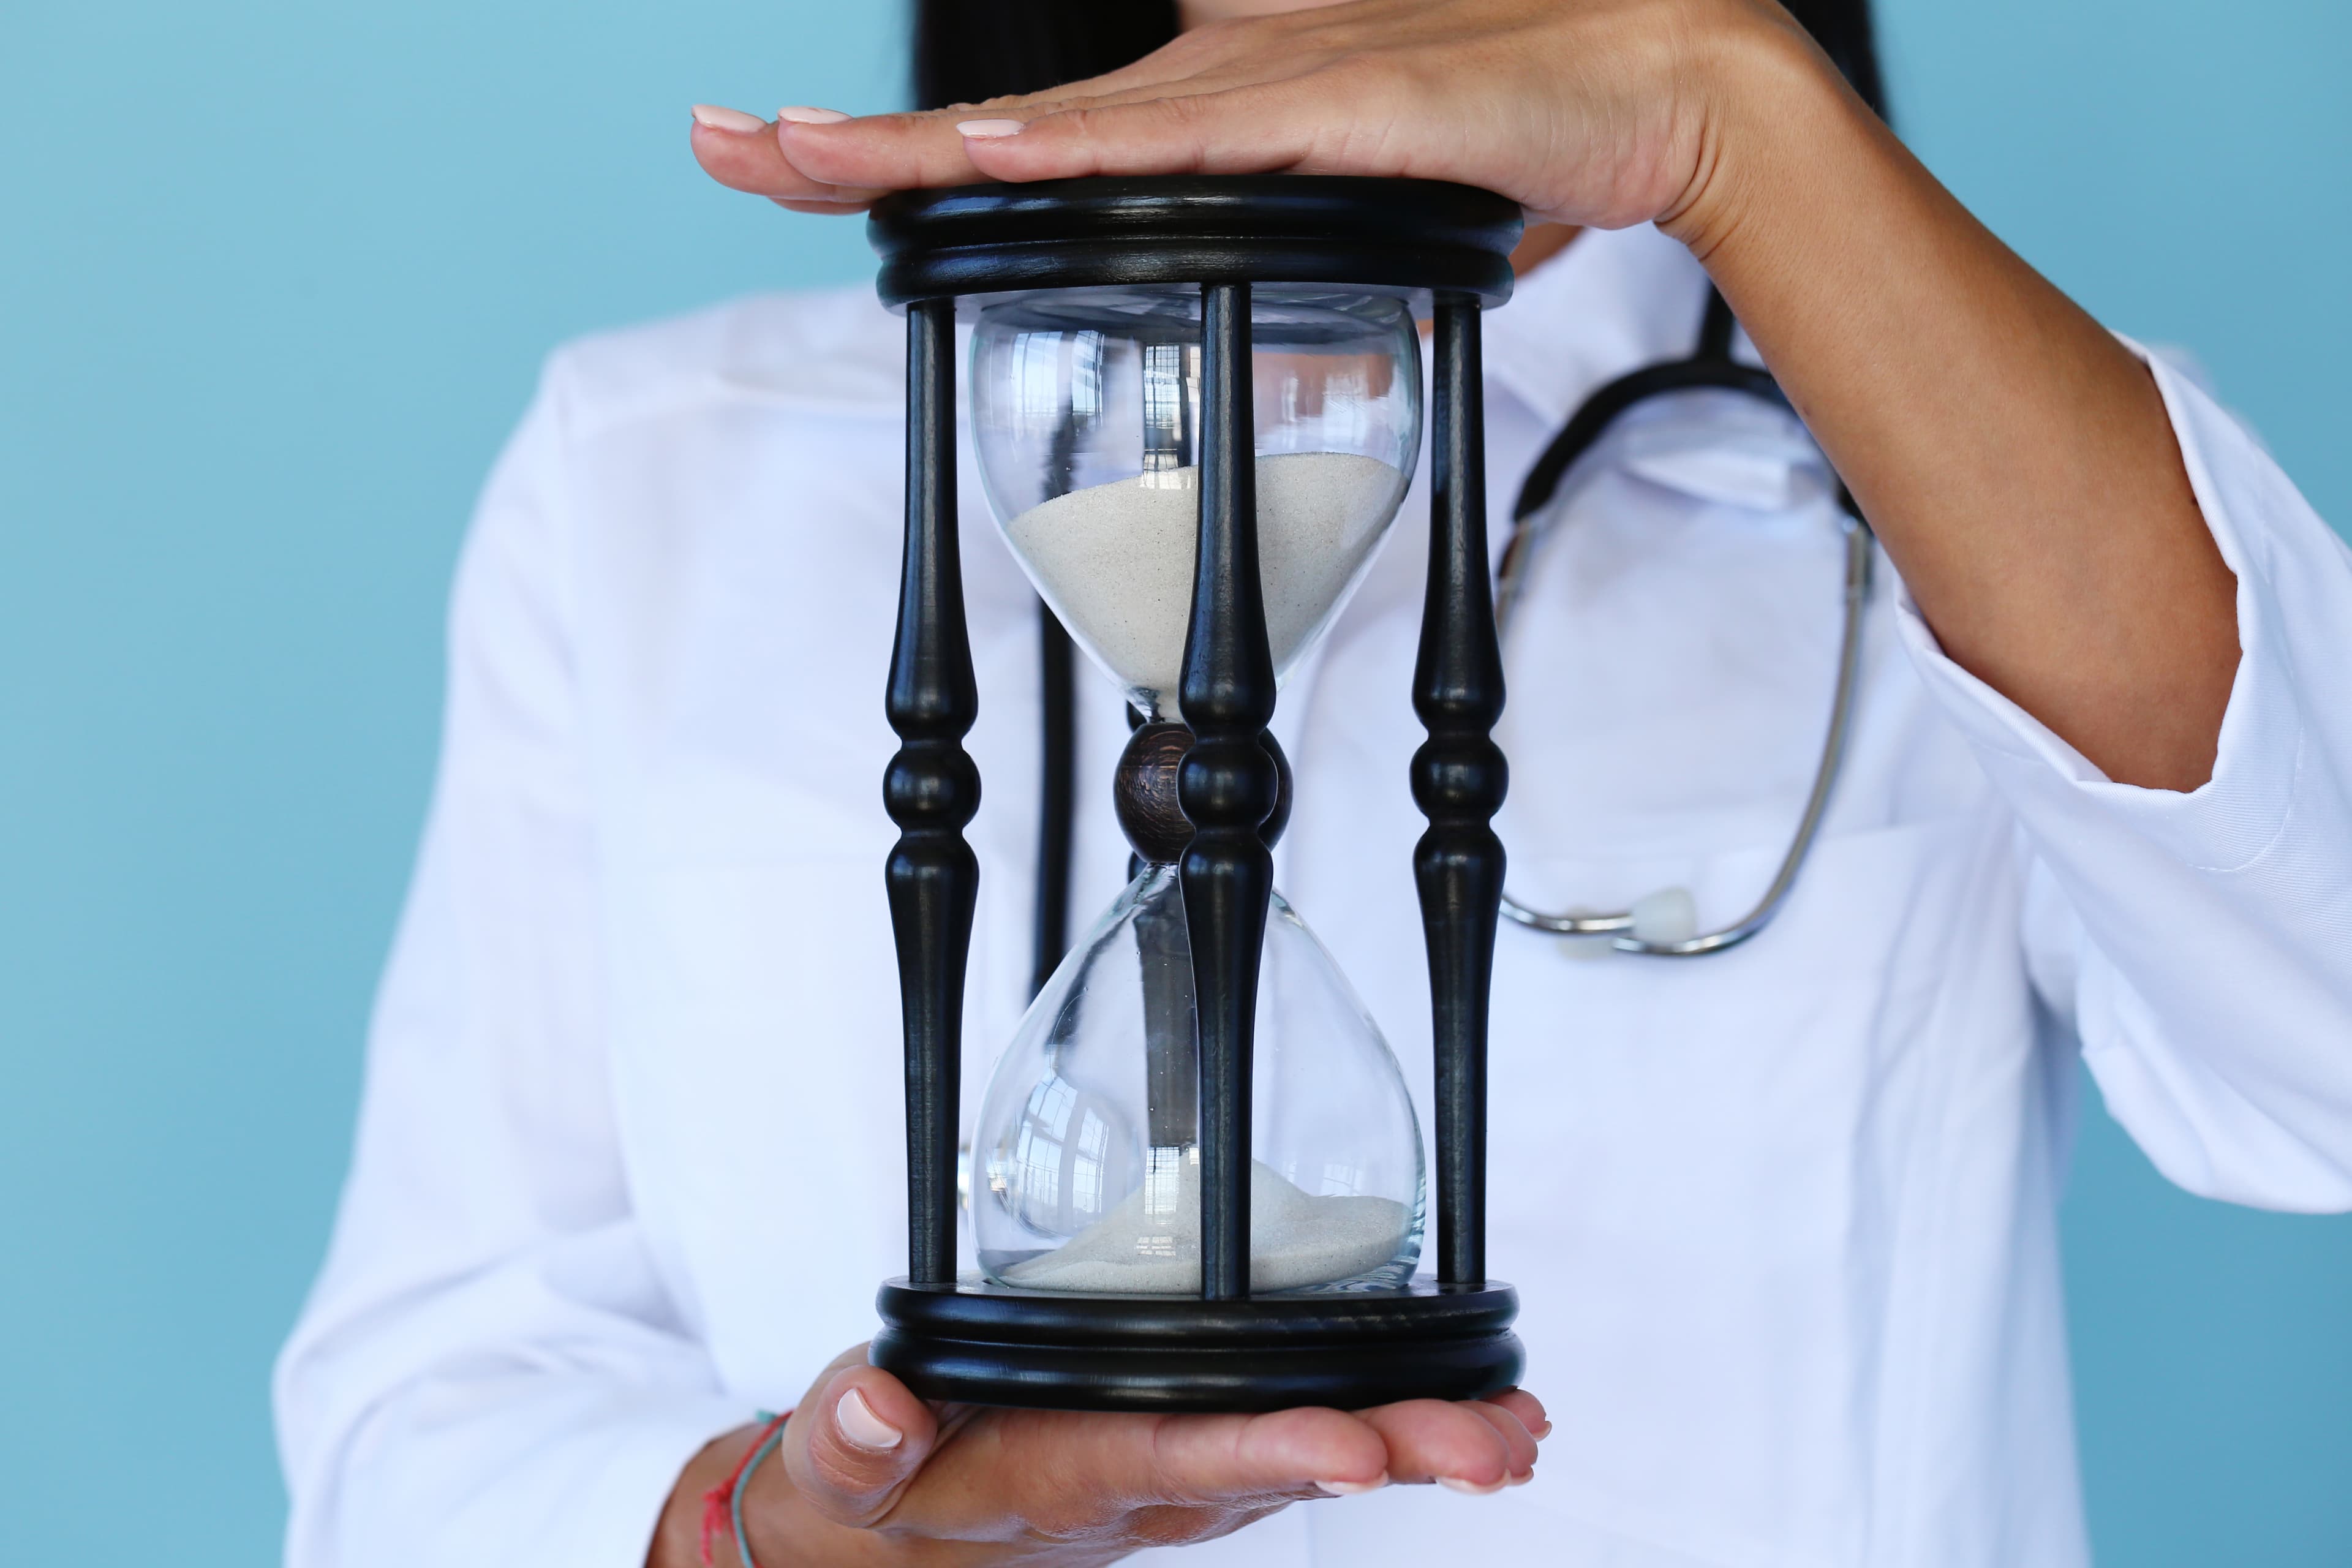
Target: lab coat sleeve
column 490, row 1370
column 2209, row 934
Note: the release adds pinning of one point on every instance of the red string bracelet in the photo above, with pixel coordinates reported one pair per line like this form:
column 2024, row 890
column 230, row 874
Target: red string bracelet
column 718, row 1504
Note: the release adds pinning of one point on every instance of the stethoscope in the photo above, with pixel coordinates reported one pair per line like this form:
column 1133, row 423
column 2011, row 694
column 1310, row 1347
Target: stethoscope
column 1660, row 925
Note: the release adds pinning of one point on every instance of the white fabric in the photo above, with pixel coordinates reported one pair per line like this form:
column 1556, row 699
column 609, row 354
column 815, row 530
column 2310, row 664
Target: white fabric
column 630, row 1160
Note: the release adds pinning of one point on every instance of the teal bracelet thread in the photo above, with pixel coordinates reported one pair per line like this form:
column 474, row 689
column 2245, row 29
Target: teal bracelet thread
column 743, row 1482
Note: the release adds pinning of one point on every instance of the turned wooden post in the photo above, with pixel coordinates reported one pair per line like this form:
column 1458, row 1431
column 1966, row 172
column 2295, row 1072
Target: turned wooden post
column 1228, row 784
column 1459, row 778
column 931, row 790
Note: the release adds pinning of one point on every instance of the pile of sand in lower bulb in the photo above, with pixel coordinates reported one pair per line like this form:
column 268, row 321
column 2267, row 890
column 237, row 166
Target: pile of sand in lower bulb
column 1296, row 1238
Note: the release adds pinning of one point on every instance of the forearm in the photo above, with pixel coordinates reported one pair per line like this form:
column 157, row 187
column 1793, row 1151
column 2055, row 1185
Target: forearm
column 2014, row 457
column 679, row 1538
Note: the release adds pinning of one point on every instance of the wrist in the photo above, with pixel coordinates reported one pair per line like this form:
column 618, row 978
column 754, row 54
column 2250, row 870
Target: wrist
column 1771, row 110
column 678, row 1536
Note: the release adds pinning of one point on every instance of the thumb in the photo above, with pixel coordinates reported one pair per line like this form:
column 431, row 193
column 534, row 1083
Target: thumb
column 855, row 1445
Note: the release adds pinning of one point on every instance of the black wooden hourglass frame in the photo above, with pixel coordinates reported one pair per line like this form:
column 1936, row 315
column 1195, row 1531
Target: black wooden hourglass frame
column 1444, row 248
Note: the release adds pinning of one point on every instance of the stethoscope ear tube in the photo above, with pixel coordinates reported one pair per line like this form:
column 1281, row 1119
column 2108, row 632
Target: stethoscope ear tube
column 1634, row 931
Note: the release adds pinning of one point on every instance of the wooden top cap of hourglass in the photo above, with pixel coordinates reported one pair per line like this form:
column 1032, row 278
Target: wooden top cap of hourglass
column 1412, row 237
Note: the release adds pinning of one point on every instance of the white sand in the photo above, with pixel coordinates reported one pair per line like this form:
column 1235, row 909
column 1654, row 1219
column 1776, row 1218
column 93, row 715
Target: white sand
column 1296, row 1239
column 1116, row 560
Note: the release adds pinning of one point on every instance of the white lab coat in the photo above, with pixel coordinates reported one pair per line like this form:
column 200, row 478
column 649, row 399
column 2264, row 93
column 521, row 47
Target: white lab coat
column 630, row 1163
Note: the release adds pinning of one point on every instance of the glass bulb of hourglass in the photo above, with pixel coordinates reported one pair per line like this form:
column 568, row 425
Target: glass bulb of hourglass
column 1088, row 1144
column 1086, row 410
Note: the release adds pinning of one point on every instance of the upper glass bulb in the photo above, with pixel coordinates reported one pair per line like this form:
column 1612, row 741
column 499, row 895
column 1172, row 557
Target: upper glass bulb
column 1087, row 409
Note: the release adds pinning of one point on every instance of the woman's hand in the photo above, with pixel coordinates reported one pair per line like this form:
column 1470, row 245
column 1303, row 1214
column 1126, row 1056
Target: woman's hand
column 1605, row 113
column 2015, row 460
column 867, row 1473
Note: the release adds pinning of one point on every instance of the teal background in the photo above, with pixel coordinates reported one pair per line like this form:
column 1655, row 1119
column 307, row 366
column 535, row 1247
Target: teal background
column 274, row 281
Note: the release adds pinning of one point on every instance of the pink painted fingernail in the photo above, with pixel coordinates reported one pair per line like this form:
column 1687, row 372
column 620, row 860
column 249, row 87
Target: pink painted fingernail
column 1350, row 1489
column 990, row 130
column 802, row 114
column 1456, row 1484
column 863, row 1427
column 711, row 117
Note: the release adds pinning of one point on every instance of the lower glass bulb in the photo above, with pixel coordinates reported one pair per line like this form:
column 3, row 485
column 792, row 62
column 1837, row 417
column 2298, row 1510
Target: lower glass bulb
column 1089, row 1134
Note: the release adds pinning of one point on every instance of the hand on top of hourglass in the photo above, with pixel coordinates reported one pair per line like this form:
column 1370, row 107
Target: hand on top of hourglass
column 866, row 1467
column 1602, row 112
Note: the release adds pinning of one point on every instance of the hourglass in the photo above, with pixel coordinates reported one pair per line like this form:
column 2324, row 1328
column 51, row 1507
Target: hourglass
column 1196, row 1182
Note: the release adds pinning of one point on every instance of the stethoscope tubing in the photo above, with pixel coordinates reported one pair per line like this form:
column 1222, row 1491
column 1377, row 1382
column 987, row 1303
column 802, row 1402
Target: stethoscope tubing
column 1618, row 926
column 1712, row 368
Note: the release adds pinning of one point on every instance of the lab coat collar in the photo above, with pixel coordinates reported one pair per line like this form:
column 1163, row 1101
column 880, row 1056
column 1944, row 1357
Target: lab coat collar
column 1612, row 302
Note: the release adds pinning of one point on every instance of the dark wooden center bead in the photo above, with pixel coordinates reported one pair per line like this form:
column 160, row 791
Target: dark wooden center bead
column 1144, row 793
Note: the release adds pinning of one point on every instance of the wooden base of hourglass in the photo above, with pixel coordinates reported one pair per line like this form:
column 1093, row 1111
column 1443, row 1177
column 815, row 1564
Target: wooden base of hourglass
column 992, row 1344
column 989, row 1344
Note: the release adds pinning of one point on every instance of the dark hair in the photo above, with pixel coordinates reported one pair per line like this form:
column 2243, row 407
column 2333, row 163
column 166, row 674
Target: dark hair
column 1842, row 30
column 967, row 50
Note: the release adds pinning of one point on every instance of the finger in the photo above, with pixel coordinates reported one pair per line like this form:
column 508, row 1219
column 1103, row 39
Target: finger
column 1073, row 1476
column 882, row 152
column 931, row 147
column 855, row 1442
column 903, row 151
column 1527, row 1408
column 1519, row 1447
column 742, row 151
column 1287, row 1452
column 1433, row 1440
column 1260, row 128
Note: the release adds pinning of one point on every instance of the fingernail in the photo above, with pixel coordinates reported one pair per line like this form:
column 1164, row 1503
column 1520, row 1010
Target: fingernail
column 1522, row 1481
column 990, row 130
column 1456, row 1484
column 1539, row 1437
column 863, row 1427
column 802, row 114
column 1350, row 1489
column 711, row 117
